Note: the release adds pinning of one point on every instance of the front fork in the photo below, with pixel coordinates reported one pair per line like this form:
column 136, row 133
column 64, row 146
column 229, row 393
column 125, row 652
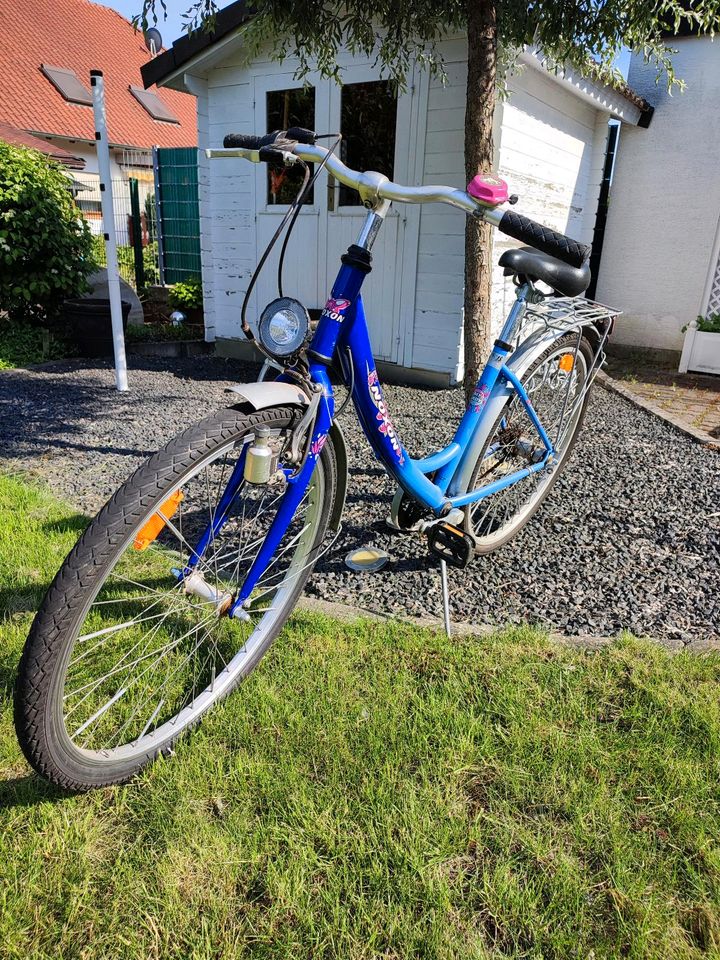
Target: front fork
column 297, row 486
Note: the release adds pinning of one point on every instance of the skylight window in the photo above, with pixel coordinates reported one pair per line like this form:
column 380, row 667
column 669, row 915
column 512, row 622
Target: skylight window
column 67, row 84
column 153, row 105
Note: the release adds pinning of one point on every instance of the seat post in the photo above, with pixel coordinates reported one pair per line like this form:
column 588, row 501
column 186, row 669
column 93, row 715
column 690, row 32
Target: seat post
column 517, row 311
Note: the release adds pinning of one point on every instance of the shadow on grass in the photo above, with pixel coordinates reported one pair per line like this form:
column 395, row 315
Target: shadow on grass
column 76, row 523
column 28, row 790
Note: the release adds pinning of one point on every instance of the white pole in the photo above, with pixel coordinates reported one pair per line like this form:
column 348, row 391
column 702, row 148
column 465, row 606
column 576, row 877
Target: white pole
column 108, row 214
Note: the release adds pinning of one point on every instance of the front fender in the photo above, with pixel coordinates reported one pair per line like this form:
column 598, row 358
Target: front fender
column 270, row 393
column 276, row 393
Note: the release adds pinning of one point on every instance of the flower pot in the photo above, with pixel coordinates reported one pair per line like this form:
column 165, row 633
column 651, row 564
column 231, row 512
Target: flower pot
column 701, row 351
column 90, row 325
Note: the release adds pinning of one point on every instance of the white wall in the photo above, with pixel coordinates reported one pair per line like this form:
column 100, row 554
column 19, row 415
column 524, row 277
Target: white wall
column 665, row 202
column 551, row 149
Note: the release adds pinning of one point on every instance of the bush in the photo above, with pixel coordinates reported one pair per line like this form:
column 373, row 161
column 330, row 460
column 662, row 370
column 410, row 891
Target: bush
column 710, row 324
column 45, row 245
column 22, row 344
column 163, row 332
column 186, row 296
column 126, row 261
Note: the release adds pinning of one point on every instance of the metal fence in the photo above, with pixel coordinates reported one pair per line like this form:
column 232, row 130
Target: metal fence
column 176, row 184
column 156, row 212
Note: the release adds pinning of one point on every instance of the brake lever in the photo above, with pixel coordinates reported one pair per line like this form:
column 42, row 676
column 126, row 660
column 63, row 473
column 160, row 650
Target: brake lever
column 277, row 155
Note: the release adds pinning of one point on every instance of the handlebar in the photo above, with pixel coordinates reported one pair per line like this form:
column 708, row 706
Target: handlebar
column 297, row 142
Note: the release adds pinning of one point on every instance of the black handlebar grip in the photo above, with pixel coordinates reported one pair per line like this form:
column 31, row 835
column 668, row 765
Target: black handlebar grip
column 250, row 141
column 543, row 238
column 301, row 134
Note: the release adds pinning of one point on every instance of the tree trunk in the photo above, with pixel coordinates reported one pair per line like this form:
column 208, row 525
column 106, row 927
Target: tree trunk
column 479, row 112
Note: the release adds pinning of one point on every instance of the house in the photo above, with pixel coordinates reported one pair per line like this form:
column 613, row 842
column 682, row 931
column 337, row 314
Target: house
column 661, row 255
column 21, row 138
column 550, row 139
column 47, row 49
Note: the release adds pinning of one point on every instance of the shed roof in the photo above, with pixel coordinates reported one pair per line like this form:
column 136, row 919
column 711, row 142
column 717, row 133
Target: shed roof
column 81, row 36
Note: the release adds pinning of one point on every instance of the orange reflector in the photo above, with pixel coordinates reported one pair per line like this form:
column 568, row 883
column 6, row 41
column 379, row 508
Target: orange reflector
column 152, row 529
column 567, row 362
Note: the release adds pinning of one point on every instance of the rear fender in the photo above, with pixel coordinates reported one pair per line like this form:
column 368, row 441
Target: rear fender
column 275, row 393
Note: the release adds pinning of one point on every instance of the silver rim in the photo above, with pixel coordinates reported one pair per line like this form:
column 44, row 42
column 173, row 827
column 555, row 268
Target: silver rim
column 149, row 659
column 558, row 397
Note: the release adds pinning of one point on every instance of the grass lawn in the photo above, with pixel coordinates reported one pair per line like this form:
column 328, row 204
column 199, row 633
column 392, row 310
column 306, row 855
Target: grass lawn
column 378, row 791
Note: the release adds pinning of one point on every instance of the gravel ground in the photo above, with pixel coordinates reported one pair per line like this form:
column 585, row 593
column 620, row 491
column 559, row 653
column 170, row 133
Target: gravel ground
column 629, row 538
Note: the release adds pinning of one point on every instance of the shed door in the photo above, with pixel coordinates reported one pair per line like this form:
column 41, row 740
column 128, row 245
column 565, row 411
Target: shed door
column 377, row 135
column 282, row 102
column 365, row 110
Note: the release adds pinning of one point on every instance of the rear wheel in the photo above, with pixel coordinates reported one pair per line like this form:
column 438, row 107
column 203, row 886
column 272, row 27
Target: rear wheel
column 122, row 657
column 556, row 384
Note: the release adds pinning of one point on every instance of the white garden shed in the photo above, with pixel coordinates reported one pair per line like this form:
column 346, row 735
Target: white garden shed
column 551, row 136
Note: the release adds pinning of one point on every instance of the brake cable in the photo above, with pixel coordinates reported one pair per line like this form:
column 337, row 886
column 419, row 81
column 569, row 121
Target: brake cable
column 305, row 190
column 290, row 217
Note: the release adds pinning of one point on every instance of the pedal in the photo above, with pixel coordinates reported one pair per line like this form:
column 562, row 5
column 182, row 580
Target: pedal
column 451, row 544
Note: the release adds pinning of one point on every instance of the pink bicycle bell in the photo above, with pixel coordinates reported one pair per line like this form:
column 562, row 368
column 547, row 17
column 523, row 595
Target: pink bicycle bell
column 490, row 191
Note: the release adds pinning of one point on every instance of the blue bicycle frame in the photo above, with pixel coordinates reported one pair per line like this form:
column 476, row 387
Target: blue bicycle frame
column 343, row 331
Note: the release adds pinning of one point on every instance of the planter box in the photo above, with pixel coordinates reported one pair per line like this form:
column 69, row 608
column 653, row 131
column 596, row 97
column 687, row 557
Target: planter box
column 701, row 352
column 89, row 323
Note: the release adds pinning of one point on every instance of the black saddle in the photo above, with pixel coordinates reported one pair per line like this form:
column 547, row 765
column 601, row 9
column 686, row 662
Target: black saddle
column 526, row 262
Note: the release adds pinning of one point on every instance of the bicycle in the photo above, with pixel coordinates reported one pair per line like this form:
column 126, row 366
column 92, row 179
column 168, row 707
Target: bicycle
column 182, row 581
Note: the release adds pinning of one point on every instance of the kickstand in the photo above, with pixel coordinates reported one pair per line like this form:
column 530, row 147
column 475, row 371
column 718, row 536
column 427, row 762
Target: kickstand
column 445, row 596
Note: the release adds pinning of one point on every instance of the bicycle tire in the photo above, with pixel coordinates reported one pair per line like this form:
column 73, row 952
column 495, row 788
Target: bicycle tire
column 486, row 543
column 39, row 690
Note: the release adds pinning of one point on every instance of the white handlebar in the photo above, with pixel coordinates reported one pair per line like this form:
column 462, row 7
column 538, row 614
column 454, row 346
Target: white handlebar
column 372, row 185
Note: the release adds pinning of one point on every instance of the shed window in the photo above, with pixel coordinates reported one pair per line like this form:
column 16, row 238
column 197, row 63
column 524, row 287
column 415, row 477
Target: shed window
column 67, row 84
column 153, row 105
column 289, row 108
column 368, row 112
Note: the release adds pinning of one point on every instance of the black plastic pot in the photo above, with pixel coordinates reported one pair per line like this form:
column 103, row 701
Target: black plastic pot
column 90, row 325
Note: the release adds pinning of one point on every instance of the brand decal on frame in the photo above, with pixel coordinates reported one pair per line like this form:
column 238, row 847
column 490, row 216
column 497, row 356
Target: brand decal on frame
column 385, row 425
column 479, row 397
column 335, row 308
column 317, row 445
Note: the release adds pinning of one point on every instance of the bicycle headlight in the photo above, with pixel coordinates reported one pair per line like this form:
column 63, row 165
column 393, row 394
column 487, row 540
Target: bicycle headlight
column 284, row 327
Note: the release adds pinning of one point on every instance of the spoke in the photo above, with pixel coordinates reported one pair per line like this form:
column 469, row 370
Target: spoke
column 135, row 680
column 119, row 626
column 121, row 667
column 164, row 656
column 99, row 713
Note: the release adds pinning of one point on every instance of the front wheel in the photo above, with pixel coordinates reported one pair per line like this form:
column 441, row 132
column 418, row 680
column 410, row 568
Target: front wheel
column 122, row 656
column 557, row 384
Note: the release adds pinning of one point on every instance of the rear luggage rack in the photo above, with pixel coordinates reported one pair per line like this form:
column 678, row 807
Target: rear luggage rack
column 561, row 312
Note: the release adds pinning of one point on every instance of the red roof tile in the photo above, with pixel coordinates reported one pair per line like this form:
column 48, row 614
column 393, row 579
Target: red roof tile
column 82, row 36
column 20, row 138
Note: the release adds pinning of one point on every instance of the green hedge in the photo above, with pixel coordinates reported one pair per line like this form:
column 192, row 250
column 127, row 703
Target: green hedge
column 46, row 248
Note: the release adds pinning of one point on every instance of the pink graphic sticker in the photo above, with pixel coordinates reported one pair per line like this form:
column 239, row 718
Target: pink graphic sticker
column 479, row 398
column 385, row 425
column 335, row 309
column 317, row 445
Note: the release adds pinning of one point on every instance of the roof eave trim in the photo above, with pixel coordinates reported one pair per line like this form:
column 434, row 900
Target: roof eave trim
column 600, row 95
column 187, row 51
